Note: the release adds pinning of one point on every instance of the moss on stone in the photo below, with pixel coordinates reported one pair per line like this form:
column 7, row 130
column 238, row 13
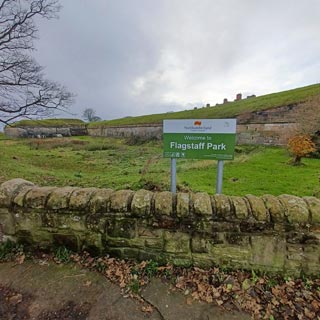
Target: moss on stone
column 141, row 203
column 274, row 207
column 59, row 198
column 258, row 208
column 120, row 201
column 201, row 204
column 296, row 209
column 183, row 201
column 163, row 203
column 79, row 199
column 240, row 207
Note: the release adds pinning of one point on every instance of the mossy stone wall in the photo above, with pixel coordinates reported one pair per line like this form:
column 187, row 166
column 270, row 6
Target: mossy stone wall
column 275, row 234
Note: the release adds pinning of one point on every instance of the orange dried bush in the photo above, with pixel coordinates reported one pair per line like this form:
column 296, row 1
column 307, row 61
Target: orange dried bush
column 300, row 146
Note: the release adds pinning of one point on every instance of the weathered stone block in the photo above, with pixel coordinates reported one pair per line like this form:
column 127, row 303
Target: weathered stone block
column 121, row 228
column 153, row 238
column 120, row 201
column 176, row 242
column 230, row 256
column 100, row 201
column 258, row 208
column 201, row 204
column 275, row 208
column 37, row 197
column 202, row 260
column 268, row 252
column 199, row 245
column 19, row 199
column 7, row 223
column 203, row 226
column 183, row 202
column 296, row 209
column 163, row 203
column 240, row 207
column 59, row 198
column 222, row 206
column 79, row 199
column 42, row 239
column 141, row 203
column 181, row 261
column 70, row 221
column 314, row 208
column 221, row 226
column 237, row 238
column 154, row 243
column 96, row 222
column 28, row 221
column 92, row 243
column 312, row 259
column 9, row 189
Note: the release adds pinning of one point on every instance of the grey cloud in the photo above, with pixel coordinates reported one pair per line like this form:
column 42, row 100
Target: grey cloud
column 134, row 57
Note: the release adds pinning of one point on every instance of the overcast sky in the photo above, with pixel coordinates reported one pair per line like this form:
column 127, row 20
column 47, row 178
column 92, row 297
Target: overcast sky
column 133, row 57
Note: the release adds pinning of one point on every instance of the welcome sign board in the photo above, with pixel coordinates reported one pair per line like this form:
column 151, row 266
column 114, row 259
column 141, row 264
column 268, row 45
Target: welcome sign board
column 199, row 139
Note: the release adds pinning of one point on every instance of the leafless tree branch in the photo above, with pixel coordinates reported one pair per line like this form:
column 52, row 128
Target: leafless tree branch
column 24, row 91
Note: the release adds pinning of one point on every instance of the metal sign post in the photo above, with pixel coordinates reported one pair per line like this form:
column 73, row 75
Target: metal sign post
column 219, row 177
column 173, row 175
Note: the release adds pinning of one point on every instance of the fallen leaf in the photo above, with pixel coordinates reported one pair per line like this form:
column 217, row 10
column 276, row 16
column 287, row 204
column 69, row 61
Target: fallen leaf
column 147, row 309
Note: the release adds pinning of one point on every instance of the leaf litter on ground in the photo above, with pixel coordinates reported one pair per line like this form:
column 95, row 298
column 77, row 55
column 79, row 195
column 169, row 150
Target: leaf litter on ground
column 263, row 296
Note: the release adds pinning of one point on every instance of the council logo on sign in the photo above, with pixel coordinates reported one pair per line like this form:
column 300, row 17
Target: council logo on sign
column 197, row 123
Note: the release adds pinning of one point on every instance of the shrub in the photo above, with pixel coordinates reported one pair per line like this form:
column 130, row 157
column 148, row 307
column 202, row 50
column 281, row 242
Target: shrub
column 300, row 146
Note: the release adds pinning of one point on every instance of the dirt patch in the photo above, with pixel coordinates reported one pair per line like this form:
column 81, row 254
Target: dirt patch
column 70, row 311
column 14, row 304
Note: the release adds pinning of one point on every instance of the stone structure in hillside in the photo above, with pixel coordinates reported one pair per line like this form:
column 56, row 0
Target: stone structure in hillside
column 265, row 127
column 268, row 127
column 46, row 132
column 268, row 233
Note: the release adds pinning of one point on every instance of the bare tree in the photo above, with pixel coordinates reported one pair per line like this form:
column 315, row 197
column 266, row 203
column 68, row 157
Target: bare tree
column 24, row 91
column 89, row 114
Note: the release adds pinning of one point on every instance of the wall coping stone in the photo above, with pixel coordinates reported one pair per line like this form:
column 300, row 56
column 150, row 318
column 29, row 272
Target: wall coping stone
column 268, row 208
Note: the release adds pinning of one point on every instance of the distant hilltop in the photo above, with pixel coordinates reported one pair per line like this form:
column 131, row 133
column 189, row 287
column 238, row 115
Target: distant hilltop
column 260, row 120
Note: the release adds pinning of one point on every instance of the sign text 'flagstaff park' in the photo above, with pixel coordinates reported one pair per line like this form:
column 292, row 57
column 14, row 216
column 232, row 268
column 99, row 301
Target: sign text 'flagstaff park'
column 199, row 139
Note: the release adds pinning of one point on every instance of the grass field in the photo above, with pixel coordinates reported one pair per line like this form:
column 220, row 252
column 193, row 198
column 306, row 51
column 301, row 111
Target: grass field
column 112, row 163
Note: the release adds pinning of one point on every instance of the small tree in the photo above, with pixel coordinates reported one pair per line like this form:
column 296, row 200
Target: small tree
column 300, row 146
column 90, row 115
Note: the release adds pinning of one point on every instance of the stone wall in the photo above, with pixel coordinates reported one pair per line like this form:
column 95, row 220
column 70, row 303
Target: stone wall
column 268, row 127
column 144, row 131
column 276, row 234
column 33, row 132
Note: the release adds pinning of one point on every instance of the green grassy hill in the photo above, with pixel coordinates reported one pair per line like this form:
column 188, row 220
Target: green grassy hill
column 48, row 123
column 229, row 110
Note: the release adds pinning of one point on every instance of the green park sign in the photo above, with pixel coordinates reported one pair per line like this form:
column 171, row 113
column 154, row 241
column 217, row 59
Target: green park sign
column 199, row 139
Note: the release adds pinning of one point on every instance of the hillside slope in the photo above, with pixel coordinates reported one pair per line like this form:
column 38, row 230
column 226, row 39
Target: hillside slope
column 229, row 110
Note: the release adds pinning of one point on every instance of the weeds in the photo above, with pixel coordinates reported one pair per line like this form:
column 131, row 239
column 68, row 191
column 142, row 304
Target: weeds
column 9, row 250
column 62, row 255
column 151, row 268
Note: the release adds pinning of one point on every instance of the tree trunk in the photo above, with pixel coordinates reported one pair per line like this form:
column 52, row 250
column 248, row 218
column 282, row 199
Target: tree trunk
column 297, row 160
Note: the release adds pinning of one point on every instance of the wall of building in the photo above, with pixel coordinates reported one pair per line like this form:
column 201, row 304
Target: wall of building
column 266, row 233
